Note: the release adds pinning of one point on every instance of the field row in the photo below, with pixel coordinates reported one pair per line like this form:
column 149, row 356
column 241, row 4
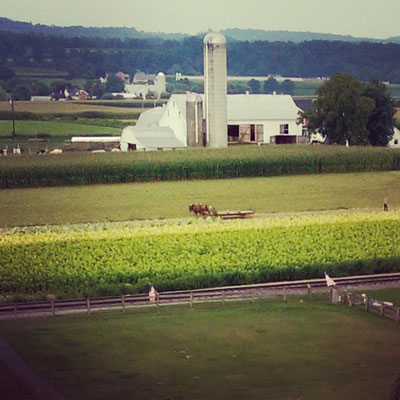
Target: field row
column 183, row 255
column 233, row 162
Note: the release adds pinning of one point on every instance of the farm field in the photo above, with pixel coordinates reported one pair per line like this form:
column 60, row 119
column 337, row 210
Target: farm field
column 155, row 200
column 270, row 350
column 67, row 107
column 54, row 129
column 233, row 162
column 109, row 259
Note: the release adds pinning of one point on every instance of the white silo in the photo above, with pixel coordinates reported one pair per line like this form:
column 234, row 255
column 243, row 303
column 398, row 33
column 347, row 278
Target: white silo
column 215, row 89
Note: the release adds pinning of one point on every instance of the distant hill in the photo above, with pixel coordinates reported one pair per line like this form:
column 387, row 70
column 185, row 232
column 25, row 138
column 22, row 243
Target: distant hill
column 81, row 31
column 233, row 34
column 253, row 35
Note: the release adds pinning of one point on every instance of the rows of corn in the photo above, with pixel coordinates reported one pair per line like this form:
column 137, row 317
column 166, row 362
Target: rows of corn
column 115, row 258
column 237, row 161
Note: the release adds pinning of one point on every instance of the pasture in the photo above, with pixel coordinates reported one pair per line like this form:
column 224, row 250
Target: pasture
column 68, row 107
column 54, row 129
column 156, row 200
column 269, row 350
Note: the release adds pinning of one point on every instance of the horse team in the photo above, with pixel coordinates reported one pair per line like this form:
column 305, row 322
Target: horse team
column 204, row 210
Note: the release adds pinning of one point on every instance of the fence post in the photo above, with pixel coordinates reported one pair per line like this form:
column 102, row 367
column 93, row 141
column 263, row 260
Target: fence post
column 253, row 296
column 382, row 310
column 223, row 297
column 366, row 303
column 309, row 290
column 88, row 305
column 398, row 315
column 284, row 294
column 191, row 299
column 158, row 302
column 123, row 303
column 15, row 311
column 53, row 313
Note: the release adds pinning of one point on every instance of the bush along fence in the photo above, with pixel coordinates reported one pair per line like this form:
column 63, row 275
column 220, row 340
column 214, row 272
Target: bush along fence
column 382, row 308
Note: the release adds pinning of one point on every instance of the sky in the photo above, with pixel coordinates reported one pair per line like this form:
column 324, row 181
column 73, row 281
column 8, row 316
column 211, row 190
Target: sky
column 360, row 18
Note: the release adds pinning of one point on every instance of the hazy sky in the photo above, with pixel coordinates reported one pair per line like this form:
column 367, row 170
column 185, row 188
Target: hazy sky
column 362, row 18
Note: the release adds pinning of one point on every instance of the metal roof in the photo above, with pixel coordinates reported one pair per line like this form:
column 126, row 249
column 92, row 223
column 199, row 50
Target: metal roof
column 154, row 137
column 255, row 107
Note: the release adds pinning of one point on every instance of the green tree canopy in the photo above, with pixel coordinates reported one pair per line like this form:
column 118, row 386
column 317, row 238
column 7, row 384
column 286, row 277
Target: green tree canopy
column 114, row 85
column 380, row 121
column 341, row 110
column 270, row 85
column 254, row 86
column 21, row 92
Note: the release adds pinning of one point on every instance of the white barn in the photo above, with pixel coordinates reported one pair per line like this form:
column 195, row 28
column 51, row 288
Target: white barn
column 260, row 118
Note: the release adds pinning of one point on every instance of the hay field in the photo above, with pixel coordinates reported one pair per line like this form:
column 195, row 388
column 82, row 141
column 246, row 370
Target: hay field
column 65, row 107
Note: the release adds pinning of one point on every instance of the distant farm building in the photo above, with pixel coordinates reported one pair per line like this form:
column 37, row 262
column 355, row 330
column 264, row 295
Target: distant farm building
column 395, row 142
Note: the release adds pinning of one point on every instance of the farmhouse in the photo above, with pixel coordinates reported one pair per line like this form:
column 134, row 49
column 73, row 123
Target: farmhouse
column 261, row 118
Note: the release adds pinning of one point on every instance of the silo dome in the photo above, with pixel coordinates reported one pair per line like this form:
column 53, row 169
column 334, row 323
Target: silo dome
column 193, row 98
column 161, row 74
column 214, row 38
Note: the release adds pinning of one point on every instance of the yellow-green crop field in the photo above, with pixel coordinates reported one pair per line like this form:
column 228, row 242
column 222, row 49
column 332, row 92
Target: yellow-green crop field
column 102, row 259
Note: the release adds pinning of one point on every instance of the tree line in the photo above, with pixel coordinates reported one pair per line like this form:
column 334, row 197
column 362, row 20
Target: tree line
column 92, row 57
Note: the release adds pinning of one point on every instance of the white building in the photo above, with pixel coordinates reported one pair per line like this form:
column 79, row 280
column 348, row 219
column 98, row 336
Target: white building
column 395, row 142
column 142, row 84
column 260, row 118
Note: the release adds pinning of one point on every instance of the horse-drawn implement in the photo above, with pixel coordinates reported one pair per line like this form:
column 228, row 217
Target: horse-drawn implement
column 207, row 210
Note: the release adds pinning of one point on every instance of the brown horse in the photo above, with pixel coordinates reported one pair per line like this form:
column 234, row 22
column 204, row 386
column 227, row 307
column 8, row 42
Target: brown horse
column 204, row 210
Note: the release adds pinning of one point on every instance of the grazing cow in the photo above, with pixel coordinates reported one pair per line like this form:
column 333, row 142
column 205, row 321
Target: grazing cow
column 56, row 151
column 3, row 152
column 41, row 151
column 17, row 151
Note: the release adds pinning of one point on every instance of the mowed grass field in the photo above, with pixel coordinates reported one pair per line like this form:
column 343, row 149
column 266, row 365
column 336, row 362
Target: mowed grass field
column 54, row 128
column 302, row 349
column 155, row 200
column 67, row 107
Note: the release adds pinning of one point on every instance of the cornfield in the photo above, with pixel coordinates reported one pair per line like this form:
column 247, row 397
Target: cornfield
column 240, row 161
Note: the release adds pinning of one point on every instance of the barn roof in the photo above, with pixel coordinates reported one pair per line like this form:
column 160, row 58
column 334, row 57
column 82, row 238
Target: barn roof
column 256, row 107
column 151, row 137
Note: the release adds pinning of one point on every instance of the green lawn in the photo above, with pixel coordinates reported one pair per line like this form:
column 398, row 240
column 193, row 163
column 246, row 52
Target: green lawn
column 54, row 128
column 121, row 202
column 276, row 351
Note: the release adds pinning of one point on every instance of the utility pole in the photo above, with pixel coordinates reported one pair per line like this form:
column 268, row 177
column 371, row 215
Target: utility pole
column 13, row 117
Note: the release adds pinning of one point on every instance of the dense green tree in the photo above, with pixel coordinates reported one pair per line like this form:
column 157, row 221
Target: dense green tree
column 21, row 92
column 380, row 121
column 39, row 88
column 270, row 85
column 114, row 85
column 287, row 86
column 254, row 86
column 341, row 110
